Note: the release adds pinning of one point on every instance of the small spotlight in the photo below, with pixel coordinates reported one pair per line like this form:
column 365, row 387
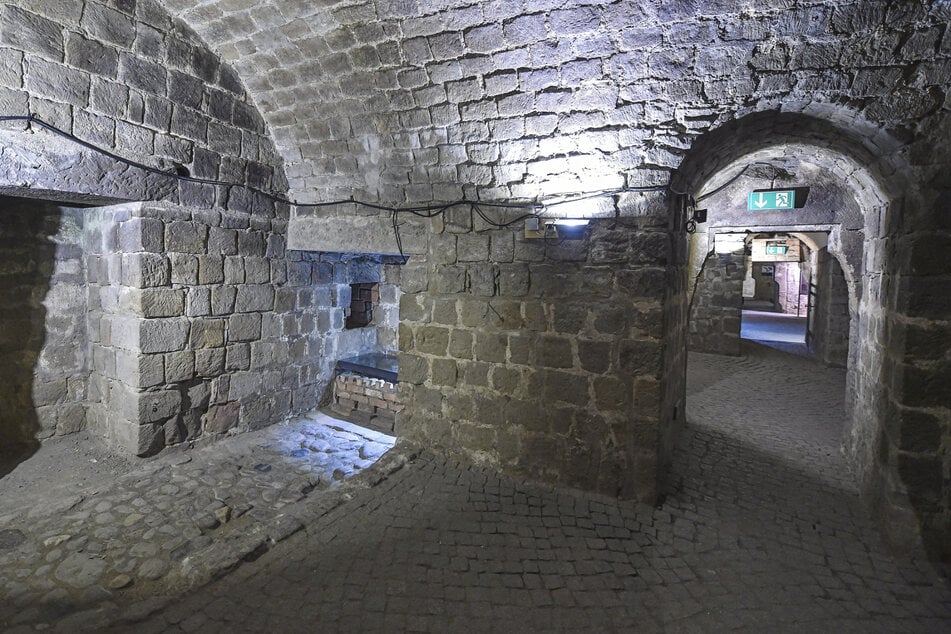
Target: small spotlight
column 570, row 228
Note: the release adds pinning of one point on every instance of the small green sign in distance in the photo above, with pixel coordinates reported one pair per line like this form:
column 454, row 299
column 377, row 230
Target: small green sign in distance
column 762, row 201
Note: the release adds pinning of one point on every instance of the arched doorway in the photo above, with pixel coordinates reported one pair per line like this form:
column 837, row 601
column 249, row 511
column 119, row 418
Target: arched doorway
column 851, row 202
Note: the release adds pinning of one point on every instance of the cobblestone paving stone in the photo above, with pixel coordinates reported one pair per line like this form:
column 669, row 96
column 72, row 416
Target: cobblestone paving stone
column 762, row 531
column 178, row 521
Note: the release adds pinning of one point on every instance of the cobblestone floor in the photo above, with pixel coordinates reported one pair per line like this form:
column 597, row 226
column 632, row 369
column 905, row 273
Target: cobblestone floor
column 75, row 560
column 762, row 532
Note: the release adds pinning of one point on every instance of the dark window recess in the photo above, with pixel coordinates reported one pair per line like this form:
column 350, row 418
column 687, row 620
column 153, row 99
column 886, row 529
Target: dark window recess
column 363, row 297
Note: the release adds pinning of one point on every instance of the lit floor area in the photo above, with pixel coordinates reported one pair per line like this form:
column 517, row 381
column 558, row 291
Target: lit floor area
column 768, row 326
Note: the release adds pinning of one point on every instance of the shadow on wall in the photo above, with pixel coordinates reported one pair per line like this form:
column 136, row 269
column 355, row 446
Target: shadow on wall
column 27, row 260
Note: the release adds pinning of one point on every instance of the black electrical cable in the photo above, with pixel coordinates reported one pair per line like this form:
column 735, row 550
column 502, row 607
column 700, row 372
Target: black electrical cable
column 423, row 211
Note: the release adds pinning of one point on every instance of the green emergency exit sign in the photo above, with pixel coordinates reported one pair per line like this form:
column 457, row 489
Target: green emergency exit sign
column 779, row 199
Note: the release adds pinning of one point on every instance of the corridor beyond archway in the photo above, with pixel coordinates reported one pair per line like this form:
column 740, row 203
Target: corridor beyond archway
column 784, row 407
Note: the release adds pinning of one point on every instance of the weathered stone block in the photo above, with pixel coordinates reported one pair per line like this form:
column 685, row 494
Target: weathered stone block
column 432, row 340
column 222, row 241
column 472, row 248
column 513, row 280
column 71, row 419
column 207, row 333
column 639, row 356
column 527, row 415
column 184, row 269
column 520, row 349
column 209, row 362
column 185, row 237
column 594, row 356
column 238, row 356
column 49, row 392
column 131, row 437
column 111, row 26
column 444, row 372
column 221, row 418
column 611, row 321
column 145, row 270
column 210, row 269
column 450, row 279
column 198, row 301
column 414, row 278
column 179, row 366
column 491, row 347
column 534, row 316
column 244, row 327
column 611, row 393
column 554, row 352
column 460, row 344
column 234, row 270
column 505, row 380
column 223, row 299
column 502, row 246
column 411, row 310
column 252, row 243
column 162, row 335
column 414, row 369
column 29, row 32
column 482, row 279
column 254, row 298
column 158, row 406
column 257, row 270
column 647, row 282
column 156, row 302
column 141, row 234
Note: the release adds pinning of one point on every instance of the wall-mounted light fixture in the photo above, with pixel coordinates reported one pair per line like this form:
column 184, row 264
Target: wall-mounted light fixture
column 570, row 228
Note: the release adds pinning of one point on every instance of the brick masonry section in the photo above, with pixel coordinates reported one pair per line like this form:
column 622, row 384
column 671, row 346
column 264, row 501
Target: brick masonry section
column 367, row 401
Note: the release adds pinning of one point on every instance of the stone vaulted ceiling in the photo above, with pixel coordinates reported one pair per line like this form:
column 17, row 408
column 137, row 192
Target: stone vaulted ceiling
column 415, row 101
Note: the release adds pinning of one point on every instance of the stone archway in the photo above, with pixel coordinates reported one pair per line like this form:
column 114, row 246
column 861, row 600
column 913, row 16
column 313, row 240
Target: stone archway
column 860, row 215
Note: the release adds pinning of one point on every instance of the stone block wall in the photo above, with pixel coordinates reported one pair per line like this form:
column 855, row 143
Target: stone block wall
column 717, row 305
column 189, row 343
column 832, row 320
column 43, row 351
column 542, row 358
column 125, row 76
column 917, row 439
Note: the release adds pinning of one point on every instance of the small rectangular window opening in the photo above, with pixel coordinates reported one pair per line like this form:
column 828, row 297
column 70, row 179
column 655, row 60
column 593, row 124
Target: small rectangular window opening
column 363, row 298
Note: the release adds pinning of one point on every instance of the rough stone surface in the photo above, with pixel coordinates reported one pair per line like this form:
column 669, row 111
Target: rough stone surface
column 43, row 323
column 79, row 76
column 716, row 302
column 761, row 529
column 171, row 523
column 417, row 103
column 548, row 411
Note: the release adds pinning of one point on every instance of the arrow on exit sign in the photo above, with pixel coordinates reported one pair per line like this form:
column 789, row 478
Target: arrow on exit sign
column 777, row 199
